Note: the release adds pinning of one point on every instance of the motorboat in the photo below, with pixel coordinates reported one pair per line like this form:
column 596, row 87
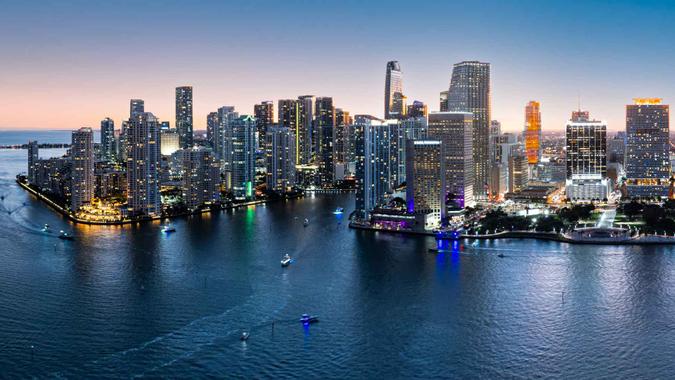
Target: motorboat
column 500, row 255
column 286, row 260
column 306, row 222
column 244, row 336
column 46, row 228
column 307, row 319
column 474, row 244
column 65, row 236
column 168, row 228
column 339, row 210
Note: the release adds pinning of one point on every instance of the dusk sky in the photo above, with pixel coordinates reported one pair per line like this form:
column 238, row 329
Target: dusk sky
column 67, row 64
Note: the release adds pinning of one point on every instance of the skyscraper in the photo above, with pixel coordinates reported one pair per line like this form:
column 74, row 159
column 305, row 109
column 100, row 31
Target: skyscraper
column 586, row 144
column 443, row 107
column 108, row 139
column 264, row 118
column 288, row 117
column 532, row 132
column 212, row 130
column 82, row 152
column 136, row 107
column 470, row 92
column 242, row 166
column 454, row 131
column 425, row 169
column 200, row 177
column 280, row 152
column 305, row 134
column 143, row 153
column 324, row 127
column 342, row 136
column 223, row 135
column 375, row 166
column 184, row 116
column 33, row 157
column 647, row 148
column 393, row 91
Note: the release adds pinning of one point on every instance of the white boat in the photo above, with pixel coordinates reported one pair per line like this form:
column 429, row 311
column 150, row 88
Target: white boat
column 168, row 228
column 338, row 211
column 306, row 222
column 286, row 260
column 46, row 228
column 244, row 336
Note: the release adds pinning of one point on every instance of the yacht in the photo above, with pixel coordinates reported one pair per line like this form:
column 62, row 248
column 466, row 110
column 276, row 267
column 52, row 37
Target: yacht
column 306, row 222
column 168, row 228
column 307, row 319
column 65, row 236
column 286, row 260
column 339, row 210
column 46, row 228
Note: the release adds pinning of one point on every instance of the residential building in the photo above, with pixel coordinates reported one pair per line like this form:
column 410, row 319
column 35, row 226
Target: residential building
column 82, row 174
column 184, row 116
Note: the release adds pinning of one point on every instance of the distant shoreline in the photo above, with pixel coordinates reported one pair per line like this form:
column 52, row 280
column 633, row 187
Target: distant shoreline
column 58, row 208
column 550, row 236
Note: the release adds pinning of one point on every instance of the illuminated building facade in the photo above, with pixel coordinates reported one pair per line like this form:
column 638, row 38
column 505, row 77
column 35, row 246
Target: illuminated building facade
column 417, row 109
column 425, row 168
column 647, row 148
column 33, row 157
column 324, row 125
column 586, row 161
column 200, row 181
column 264, row 118
column 108, row 139
column 242, row 166
column 169, row 142
column 143, row 154
column 280, row 152
column 82, row 153
column 532, row 132
column 454, row 130
column 184, row 116
column 394, row 100
column 470, row 92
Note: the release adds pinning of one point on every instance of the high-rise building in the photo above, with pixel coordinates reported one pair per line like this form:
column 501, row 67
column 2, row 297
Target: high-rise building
column 136, row 107
column 393, row 91
column 305, row 134
column 375, row 166
column 82, row 153
column 417, row 109
column 616, row 148
column 242, row 167
column 264, row 118
column 425, row 175
column 184, row 116
column 324, row 128
column 342, row 136
column 518, row 172
column 470, row 92
column 143, row 153
column 280, row 152
column 200, row 177
column 443, row 107
column 33, row 157
column 648, row 167
column 108, row 139
column 532, row 132
column 495, row 132
column 212, row 130
column 586, row 145
column 288, row 117
column 169, row 142
column 405, row 131
column 454, row 130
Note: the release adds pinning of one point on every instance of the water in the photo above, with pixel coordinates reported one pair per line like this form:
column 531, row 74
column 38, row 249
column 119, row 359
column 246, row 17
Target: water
column 129, row 301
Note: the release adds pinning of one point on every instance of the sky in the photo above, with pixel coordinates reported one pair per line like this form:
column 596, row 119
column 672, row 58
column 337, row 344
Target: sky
column 67, row 64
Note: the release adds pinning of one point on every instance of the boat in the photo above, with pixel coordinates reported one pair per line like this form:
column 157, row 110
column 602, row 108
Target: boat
column 46, row 228
column 64, row 236
column 339, row 210
column 307, row 319
column 500, row 255
column 306, row 222
column 168, row 228
column 286, row 260
column 474, row 244
column 244, row 336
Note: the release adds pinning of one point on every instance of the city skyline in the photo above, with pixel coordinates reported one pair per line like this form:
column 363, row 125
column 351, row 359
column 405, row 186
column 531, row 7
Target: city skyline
column 79, row 73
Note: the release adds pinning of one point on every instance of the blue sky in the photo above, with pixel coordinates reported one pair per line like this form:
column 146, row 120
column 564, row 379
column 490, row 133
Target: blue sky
column 68, row 64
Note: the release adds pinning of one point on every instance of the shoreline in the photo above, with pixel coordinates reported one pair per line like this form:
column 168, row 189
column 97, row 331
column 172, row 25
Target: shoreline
column 549, row 236
column 68, row 215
